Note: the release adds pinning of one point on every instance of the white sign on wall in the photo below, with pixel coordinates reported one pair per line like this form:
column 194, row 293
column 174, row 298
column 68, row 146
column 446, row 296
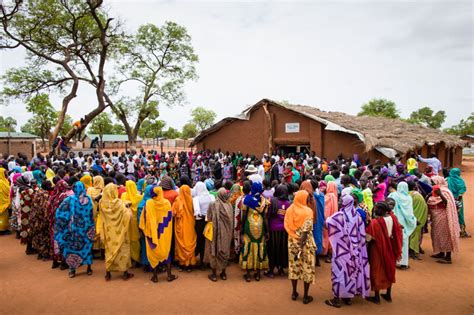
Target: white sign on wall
column 292, row 127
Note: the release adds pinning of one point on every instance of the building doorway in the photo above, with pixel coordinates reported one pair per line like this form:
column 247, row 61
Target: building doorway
column 294, row 149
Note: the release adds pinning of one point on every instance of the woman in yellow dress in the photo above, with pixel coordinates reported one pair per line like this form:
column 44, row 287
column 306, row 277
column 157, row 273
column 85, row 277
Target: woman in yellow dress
column 114, row 232
column 133, row 198
column 95, row 192
column 185, row 234
column 156, row 222
column 87, row 181
column 4, row 201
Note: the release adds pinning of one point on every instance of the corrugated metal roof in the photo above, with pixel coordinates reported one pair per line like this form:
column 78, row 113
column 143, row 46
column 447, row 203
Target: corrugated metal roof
column 112, row 138
column 16, row 135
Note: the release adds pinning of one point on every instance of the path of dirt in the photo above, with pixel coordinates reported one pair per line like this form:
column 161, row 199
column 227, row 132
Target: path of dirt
column 29, row 286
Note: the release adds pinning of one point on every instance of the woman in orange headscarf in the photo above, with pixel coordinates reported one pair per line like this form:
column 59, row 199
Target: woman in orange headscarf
column 156, row 222
column 4, row 201
column 185, row 234
column 330, row 207
column 133, row 198
column 301, row 245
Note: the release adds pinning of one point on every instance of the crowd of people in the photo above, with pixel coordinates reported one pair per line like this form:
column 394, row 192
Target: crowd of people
column 279, row 215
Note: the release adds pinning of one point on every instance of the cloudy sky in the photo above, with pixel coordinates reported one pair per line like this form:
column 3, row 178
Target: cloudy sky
column 334, row 55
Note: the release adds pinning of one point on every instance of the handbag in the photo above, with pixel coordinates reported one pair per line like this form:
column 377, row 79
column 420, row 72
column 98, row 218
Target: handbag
column 208, row 231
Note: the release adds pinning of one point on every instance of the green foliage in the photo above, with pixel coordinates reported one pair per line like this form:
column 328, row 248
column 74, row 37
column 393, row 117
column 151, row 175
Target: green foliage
column 172, row 133
column 101, row 125
column 44, row 116
column 118, row 129
column 203, row 118
column 160, row 60
column 426, row 117
column 465, row 127
column 189, row 130
column 7, row 124
column 151, row 129
column 380, row 107
column 67, row 125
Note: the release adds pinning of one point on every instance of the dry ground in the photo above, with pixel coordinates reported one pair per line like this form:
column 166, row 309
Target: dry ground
column 28, row 286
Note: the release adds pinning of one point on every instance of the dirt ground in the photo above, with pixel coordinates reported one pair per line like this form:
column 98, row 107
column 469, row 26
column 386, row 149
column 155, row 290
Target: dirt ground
column 29, row 286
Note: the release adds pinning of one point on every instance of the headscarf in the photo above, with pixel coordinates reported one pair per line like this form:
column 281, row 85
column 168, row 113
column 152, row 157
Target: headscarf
column 455, row 183
column 329, row 178
column 323, row 185
column 358, row 193
column 150, row 181
column 298, row 213
column 23, row 183
column 451, row 210
column 132, row 194
column 4, row 192
column 141, row 185
column 98, row 185
column 254, row 198
column 87, row 181
column 306, row 185
column 50, row 174
column 235, row 193
column 38, row 176
column 166, row 183
column 404, row 208
column 146, row 197
column 201, row 190
column 209, row 184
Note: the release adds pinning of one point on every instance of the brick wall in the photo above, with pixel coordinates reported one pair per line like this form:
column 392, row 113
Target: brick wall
column 26, row 147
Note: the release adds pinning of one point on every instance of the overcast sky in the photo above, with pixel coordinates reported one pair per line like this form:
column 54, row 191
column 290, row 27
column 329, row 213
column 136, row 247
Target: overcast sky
column 332, row 55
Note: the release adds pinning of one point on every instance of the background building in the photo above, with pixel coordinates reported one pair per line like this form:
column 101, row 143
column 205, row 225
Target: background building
column 12, row 143
column 270, row 126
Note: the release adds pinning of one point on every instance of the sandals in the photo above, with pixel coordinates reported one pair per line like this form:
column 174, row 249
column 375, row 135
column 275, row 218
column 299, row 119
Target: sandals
column 172, row 278
column 212, row 277
column 223, row 276
column 347, row 301
column 72, row 274
column 269, row 274
column 294, row 296
column 154, row 279
column 108, row 276
column 386, row 297
column 257, row 277
column 127, row 276
column 89, row 272
column 440, row 255
column 333, row 303
column 247, row 278
column 444, row 261
column 307, row 300
column 55, row 265
column 373, row 299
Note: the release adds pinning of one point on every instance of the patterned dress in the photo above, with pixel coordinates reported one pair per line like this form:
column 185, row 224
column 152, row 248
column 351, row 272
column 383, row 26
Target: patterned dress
column 40, row 222
column 74, row 228
column 301, row 263
column 254, row 252
column 61, row 192
column 350, row 263
column 26, row 198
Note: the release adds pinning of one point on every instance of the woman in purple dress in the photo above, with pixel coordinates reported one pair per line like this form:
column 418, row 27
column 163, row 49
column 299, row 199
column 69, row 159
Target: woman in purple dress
column 277, row 244
column 350, row 263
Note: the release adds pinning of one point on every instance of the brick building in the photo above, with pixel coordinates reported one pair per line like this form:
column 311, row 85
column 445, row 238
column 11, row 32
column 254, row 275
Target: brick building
column 18, row 142
column 270, row 126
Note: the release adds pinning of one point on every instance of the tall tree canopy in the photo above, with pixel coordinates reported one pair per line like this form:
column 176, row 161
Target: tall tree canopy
column 203, row 118
column 7, row 124
column 151, row 129
column 67, row 42
column 189, row 130
column 157, row 60
column 380, row 107
column 427, row 117
column 43, row 118
column 101, row 125
column 465, row 127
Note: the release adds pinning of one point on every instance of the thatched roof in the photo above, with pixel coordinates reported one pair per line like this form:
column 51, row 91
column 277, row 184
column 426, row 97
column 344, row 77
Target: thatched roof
column 375, row 132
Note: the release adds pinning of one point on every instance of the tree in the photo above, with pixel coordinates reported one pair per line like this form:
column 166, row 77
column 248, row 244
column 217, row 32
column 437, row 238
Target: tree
column 380, row 107
column 151, row 129
column 7, row 124
column 101, row 125
column 171, row 133
column 203, row 118
column 117, row 129
column 43, row 118
column 67, row 42
column 160, row 60
column 465, row 127
column 67, row 125
column 426, row 117
column 189, row 130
